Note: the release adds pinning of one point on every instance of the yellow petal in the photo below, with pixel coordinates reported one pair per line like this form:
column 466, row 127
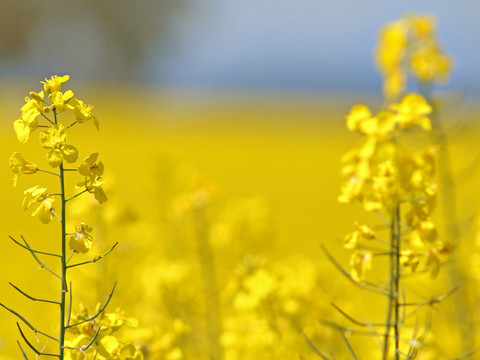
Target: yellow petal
column 22, row 130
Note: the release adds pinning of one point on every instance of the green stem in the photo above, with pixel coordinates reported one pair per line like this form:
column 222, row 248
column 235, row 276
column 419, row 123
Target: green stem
column 63, row 276
column 393, row 307
column 396, row 278
column 209, row 279
column 64, row 268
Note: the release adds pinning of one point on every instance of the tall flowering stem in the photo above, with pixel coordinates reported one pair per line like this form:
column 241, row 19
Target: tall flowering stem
column 390, row 177
column 37, row 113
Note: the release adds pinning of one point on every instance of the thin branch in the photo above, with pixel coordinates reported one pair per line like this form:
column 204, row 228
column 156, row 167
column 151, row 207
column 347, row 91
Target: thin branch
column 348, row 344
column 468, row 354
column 38, row 260
column 34, row 329
column 33, row 250
column 412, row 351
column 71, row 256
column 97, row 313
column 69, row 126
column 433, row 300
column 48, row 172
column 360, row 323
column 85, row 347
column 33, row 347
column 21, row 349
column 74, row 196
column 353, row 331
column 56, row 215
column 98, row 257
column 314, row 348
column 363, row 285
column 69, row 305
column 33, row 298
column 46, row 117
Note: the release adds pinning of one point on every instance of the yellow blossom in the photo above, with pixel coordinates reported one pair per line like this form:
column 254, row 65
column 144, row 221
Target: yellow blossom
column 360, row 263
column 44, row 212
column 26, row 124
column 361, row 119
column 54, row 140
column 18, row 165
column 95, row 187
column 91, row 168
column 33, row 195
column 45, row 209
column 422, row 25
column 82, row 240
column 363, row 232
column 54, row 84
column 409, row 259
column 61, row 100
column 83, row 112
column 412, row 110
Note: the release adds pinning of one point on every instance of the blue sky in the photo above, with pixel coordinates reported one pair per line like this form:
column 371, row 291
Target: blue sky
column 306, row 44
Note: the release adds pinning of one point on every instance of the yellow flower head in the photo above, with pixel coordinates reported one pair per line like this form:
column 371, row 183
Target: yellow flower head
column 95, row 187
column 412, row 110
column 84, row 112
column 91, row 168
column 61, row 100
column 82, row 240
column 360, row 119
column 363, row 232
column 35, row 101
column 37, row 194
column 26, row 124
column 410, row 46
column 360, row 264
column 422, row 25
column 54, row 84
column 44, row 212
column 33, row 195
column 19, row 165
column 54, row 140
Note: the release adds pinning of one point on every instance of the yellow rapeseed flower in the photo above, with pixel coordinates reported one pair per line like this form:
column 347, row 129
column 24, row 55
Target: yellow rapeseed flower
column 95, row 187
column 61, row 100
column 362, row 232
column 54, row 84
column 82, row 240
column 360, row 264
column 18, row 165
column 91, row 168
column 40, row 195
column 83, row 112
column 412, row 110
column 26, row 124
column 54, row 140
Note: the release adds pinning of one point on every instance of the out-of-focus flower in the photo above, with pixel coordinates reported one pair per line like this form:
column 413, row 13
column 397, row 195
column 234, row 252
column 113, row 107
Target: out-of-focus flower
column 360, row 264
column 82, row 240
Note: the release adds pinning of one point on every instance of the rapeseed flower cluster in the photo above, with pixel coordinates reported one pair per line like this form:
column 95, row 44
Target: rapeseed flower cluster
column 93, row 335
column 406, row 46
column 383, row 173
